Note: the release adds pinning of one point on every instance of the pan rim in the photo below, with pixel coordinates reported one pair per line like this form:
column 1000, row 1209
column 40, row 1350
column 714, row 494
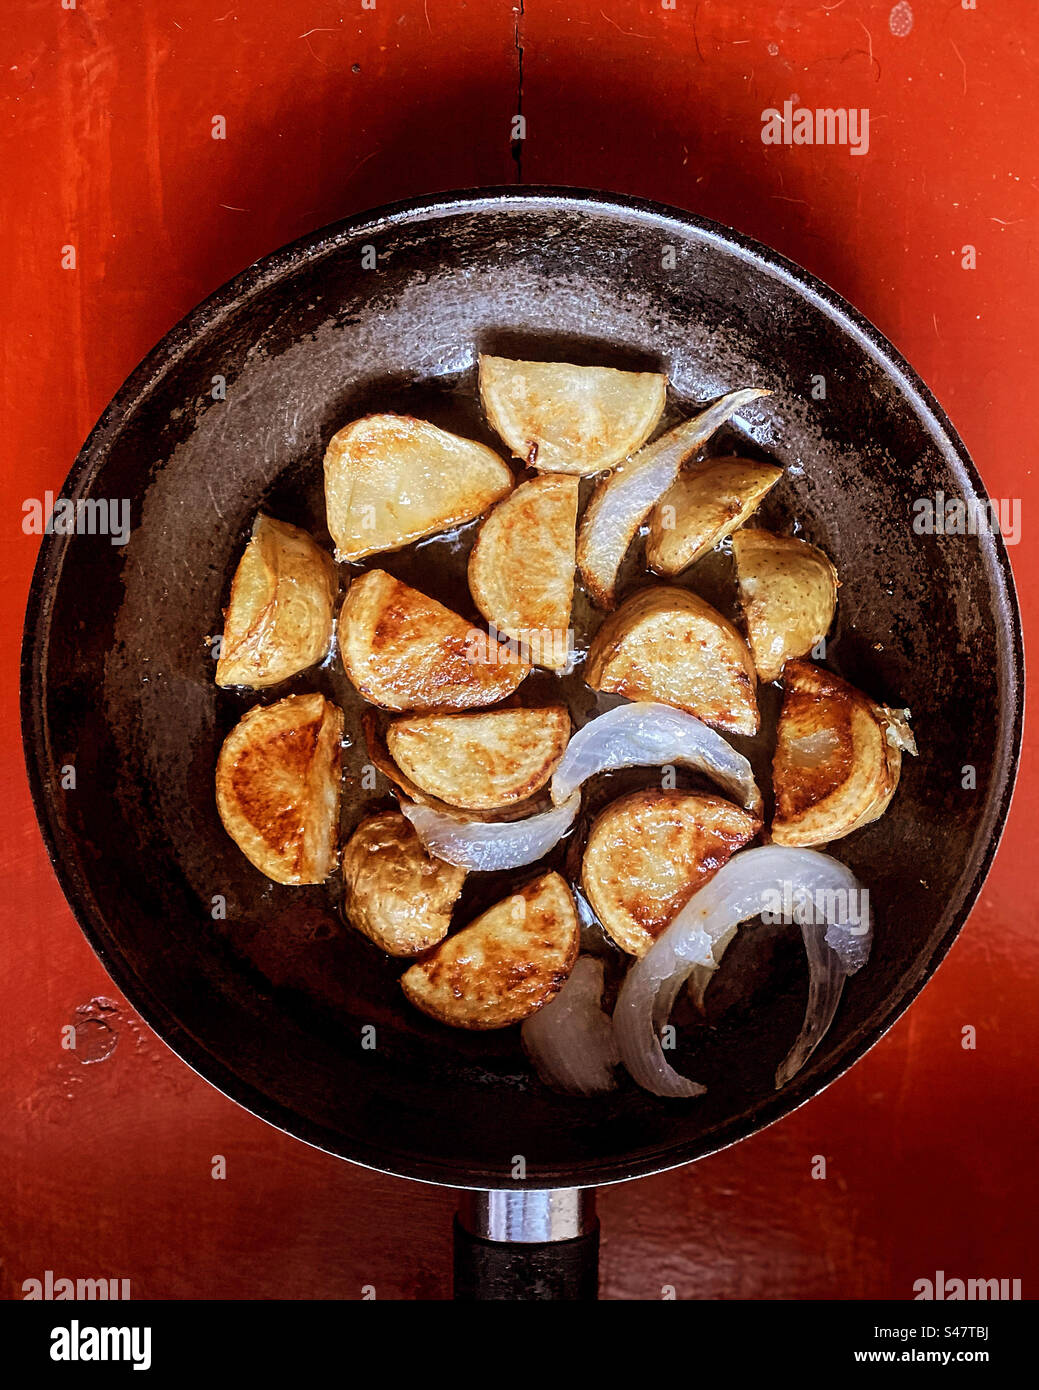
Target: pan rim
column 315, row 245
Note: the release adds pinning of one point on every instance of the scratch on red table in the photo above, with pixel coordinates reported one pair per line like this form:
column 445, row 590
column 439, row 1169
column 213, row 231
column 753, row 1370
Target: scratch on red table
column 630, row 32
column 962, row 64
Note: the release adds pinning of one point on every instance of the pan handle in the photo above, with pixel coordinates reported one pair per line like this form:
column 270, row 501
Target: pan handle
column 527, row 1245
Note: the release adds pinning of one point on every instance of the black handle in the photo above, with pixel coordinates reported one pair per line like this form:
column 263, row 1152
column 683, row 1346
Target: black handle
column 556, row 1270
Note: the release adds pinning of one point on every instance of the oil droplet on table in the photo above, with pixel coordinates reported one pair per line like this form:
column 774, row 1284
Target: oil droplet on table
column 95, row 1041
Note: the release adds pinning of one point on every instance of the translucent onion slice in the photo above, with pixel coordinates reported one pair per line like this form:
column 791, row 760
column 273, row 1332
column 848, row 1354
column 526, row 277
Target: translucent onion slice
column 570, row 1040
column 623, row 500
column 647, row 734
column 483, row 846
column 826, row 976
column 819, row 892
column 701, row 975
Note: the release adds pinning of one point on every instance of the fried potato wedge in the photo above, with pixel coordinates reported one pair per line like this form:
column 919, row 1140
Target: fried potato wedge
column 561, row 418
column 504, row 966
column 399, row 896
column 788, row 589
column 390, row 480
column 280, row 616
column 373, row 726
column 521, row 569
column 838, row 757
column 277, row 787
column 705, row 505
column 375, row 738
column 670, row 645
column 481, row 762
column 649, row 852
column 405, row 651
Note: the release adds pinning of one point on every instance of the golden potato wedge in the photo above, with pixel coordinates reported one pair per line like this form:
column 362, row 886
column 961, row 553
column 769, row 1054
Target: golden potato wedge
column 280, row 616
column 561, row 418
column 838, row 757
column 521, row 569
column 390, row 480
column 705, row 505
column 375, row 738
column 649, row 852
column 277, row 787
column 670, row 645
column 380, row 756
column 481, row 761
column 399, row 896
column 405, row 651
column 788, row 589
column 504, row 966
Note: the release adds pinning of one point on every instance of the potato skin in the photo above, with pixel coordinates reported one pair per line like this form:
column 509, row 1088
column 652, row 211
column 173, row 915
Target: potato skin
column 668, row 644
column 563, row 418
column 706, row 504
column 521, row 569
column 278, row 784
column 788, row 589
column 391, row 479
column 404, row 651
column 647, row 854
column 484, row 761
column 504, row 966
column 279, row 618
column 835, row 769
column 399, row 896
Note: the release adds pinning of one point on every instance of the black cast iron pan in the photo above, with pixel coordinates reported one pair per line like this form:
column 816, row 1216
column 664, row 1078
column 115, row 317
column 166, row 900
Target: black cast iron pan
column 231, row 413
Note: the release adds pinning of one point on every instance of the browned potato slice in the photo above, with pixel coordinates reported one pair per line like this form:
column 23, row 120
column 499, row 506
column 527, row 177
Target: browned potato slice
column 505, row 965
column 670, row 645
column 390, row 480
column 279, row 618
column 277, row 787
column 405, row 651
column 649, row 852
column 393, row 891
column 380, row 756
column 705, row 505
column 567, row 419
column 788, row 589
column 375, row 738
column 481, row 761
column 838, row 757
column 521, row 569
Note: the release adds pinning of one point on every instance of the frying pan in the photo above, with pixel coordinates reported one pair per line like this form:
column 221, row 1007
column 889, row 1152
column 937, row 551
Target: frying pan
column 261, row 988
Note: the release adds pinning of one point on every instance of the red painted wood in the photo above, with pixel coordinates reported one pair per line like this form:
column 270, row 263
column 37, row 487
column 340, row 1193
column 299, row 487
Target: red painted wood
column 105, row 1169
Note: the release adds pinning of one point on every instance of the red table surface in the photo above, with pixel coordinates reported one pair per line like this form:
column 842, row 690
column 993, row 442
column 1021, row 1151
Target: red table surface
column 331, row 108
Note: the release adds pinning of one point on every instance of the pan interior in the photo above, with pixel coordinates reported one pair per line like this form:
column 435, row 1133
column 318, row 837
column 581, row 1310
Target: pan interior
column 261, row 987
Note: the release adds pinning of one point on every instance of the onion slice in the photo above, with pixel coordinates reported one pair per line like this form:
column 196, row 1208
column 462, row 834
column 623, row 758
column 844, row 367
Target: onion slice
column 482, row 846
column 623, row 500
column 570, row 1040
column 647, row 734
column 701, row 975
column 817, row 891
column 826, row 976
